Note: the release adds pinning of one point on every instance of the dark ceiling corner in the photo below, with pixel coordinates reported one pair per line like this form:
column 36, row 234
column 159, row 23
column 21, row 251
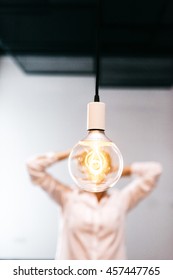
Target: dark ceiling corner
column 59, row 37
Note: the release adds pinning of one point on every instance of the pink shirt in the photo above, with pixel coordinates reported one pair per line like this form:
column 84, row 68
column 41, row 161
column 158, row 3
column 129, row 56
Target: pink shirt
column 92, row 230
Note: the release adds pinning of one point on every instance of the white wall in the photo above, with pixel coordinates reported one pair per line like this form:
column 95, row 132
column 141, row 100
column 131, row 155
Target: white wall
column 48, row 113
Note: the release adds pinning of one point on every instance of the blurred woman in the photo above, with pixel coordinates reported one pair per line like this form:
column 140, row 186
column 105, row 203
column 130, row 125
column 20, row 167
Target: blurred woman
column 92, row 224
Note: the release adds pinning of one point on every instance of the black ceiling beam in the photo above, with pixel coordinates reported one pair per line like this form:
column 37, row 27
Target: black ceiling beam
column 136, row 39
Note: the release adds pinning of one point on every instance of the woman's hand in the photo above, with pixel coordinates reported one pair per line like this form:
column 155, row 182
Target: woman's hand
column 127, row 171
column 63, row 155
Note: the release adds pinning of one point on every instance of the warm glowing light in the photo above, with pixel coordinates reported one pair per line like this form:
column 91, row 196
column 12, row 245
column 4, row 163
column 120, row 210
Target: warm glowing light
column 96, row 163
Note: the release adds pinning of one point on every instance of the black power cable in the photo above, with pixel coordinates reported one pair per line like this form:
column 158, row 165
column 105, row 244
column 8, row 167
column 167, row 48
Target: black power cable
column 98, row 11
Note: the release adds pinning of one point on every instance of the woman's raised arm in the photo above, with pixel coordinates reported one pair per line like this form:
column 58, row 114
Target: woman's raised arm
column 146, row 176
column 37, row 168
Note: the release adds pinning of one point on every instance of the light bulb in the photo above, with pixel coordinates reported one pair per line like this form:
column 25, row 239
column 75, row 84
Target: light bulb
column 95, row 163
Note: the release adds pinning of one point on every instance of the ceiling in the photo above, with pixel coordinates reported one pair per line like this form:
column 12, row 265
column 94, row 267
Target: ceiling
column 59, row 37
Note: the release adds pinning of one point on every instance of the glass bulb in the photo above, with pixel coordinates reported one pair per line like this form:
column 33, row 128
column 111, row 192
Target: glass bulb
column 95, row 163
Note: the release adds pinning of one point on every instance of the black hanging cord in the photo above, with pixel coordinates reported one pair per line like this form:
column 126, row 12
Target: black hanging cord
column 98, row 7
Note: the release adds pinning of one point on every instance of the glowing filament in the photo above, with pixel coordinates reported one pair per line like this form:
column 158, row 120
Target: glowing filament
column 96, row 164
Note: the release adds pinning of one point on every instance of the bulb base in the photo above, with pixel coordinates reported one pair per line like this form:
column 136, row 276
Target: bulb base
column 96, row 116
